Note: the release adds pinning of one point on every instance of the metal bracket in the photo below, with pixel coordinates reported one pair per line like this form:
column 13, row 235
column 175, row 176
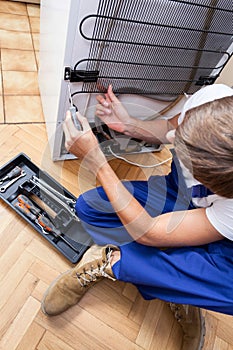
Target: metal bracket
column 75, row 76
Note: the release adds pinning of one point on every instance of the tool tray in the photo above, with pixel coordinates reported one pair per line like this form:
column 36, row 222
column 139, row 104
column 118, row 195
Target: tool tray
column 72, row 240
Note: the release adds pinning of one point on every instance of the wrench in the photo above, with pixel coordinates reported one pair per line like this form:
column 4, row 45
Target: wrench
column 55, row 192
column 11, row 175
column 4, row 188
column 55, row 198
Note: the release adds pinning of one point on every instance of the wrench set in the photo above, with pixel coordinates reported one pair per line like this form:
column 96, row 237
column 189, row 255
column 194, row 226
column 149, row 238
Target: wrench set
column 45, row 204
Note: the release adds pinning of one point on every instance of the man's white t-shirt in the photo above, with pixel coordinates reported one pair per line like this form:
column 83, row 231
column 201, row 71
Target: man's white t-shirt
column 219, row 210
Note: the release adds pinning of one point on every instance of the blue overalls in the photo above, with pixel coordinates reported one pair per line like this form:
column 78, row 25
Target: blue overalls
column 201, row 276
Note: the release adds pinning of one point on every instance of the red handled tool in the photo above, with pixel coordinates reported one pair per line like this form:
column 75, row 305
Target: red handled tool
column 21, row 207
column 28, row 204
column 48, row 227
column 32, row 212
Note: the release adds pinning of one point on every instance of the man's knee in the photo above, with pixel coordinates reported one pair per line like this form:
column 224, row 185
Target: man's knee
column 93, row 203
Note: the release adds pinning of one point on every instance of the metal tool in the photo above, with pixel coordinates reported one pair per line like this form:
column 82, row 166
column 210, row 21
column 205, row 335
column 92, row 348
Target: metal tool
column 4, row 188
column 55, row 198
column 72, row 110
column 28, row 204
column 12, row 174
column 44, row 207
column 25, row 206
column 48, row 227
column 57, row 193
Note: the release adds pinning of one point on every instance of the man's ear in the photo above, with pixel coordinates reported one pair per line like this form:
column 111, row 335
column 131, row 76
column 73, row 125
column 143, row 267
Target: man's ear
column 170, row 136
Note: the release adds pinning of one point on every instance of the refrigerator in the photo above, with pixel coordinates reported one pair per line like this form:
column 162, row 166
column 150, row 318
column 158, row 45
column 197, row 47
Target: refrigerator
column 155, row 53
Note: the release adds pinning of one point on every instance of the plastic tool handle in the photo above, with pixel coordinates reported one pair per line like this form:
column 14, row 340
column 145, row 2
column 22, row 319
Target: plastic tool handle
column 28, row 204
column 74, row 118
column 21, row 207
column 12, row 174
column 47, row 225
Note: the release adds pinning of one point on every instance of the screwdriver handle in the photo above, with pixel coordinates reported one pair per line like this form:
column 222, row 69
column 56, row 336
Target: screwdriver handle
column 23, row 209
column 12, row 174
column 28, row 204
column 46, row 224
column 74, row 118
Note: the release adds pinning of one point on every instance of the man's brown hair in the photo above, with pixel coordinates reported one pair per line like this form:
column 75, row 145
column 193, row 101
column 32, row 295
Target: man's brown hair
column 204, row 144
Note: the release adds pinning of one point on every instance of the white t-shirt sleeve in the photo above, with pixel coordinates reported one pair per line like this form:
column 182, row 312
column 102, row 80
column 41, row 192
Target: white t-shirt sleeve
column 220, row 215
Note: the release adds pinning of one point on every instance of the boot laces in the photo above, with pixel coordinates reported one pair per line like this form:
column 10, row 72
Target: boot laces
column 91, row 275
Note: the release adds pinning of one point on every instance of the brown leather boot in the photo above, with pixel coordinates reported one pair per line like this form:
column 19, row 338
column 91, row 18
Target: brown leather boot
column 192, row 323
column 69, row 287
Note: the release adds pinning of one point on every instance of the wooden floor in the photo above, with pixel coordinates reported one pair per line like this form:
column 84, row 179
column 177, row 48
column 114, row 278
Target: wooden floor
column 112, row 315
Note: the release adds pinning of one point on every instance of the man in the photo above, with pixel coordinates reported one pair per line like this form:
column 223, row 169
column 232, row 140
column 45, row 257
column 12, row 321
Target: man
column 189, row 211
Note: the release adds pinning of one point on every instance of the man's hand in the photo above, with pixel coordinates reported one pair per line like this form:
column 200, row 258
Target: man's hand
column 83, row 143
column 111, row 111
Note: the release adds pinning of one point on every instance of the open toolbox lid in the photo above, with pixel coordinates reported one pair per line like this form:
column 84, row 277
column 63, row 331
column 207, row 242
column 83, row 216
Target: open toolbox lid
column 45, row 204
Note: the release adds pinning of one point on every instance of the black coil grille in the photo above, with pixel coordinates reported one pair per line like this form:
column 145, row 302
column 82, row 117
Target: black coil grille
column 157, row 47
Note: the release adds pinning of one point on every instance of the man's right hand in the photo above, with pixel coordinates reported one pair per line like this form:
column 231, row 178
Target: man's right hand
column 111, row 111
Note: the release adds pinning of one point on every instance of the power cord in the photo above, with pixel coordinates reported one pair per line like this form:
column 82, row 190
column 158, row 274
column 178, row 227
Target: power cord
column 139, row 165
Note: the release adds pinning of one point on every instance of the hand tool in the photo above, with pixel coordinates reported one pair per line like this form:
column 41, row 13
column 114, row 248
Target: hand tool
column 33, row 213
column 12, row 174
column 50, row 212
column 48, row 227
column 55, row 198
column 21, row 207
column 28, row 204
column 72, row 110
column 4, row 188
column 57, row 193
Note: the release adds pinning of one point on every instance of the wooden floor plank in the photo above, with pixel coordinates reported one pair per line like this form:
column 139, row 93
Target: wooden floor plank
column 149, row 324
column 32, row 337
column 11, row 308
column 102, row 333
column 13, row 277
column 20, row 325
column 113, row 318
column 50, row 341
column 13, row 253
column 163, row 330
column 69, row 333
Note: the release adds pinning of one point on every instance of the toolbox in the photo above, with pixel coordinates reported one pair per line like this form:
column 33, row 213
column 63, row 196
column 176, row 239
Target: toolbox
column 45, row 204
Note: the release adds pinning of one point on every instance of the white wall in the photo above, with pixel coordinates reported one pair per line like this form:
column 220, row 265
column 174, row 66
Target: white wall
column 226, row 77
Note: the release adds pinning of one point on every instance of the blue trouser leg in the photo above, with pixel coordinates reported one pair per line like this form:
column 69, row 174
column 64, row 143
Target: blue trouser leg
column 158, row 195
column 201, row 276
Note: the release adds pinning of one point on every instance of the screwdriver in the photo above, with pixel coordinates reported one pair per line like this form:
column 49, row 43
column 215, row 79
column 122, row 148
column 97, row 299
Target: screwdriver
column 21, row 207
column 13, row 173
column 28, row 204
column 72, row 110
column 32, row 212
column 50, row 228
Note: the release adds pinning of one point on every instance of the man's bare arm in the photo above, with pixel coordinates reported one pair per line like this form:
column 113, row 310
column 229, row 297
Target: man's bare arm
column 111, row 111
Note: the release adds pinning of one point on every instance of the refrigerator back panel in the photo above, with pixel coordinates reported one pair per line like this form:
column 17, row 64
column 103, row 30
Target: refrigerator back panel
column 155, row 47
column 151, row 51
